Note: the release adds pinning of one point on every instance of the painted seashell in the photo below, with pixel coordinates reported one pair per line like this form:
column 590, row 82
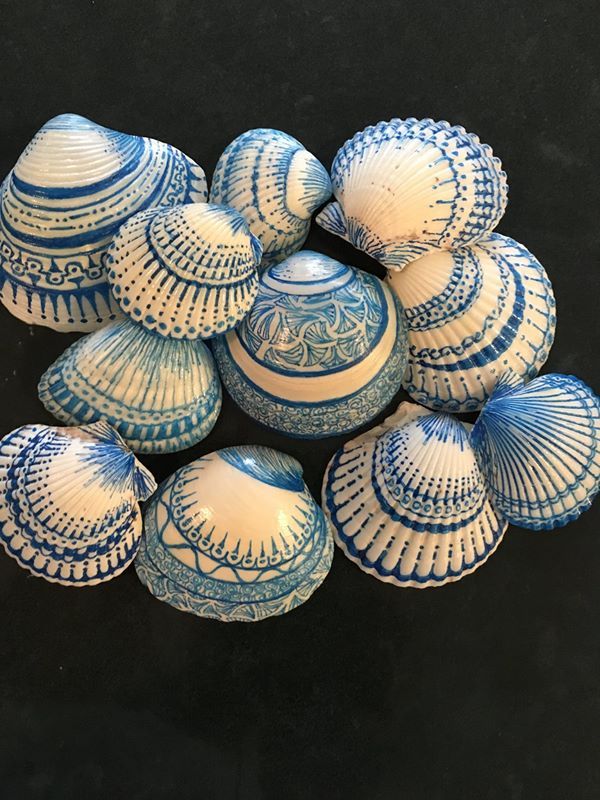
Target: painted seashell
column 275, row 184
column 69, row 502
column 235, row 536
column 539, row 447
column 161, row 394
column 406, row 187
column 472, row 314
column 72, row 188
column 185, row 272
column 321, row 352
column 408, row 503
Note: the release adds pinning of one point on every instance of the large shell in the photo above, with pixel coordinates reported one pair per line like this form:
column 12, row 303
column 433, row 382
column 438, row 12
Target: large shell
column 69, row 497
column 235, row 535
column 408, row 503
column 321, row 352
column 539, row 446
column 185, row 272
column 405, row 187
column 275, row 184
column 472, row 314
column 160, row 394
column 73, row 186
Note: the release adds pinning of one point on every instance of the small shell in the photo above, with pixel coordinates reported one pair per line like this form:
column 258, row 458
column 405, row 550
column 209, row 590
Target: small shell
column 235, row 535
column 408, row 503
column 275, row 184
column 161, row 394
column 405, row 187
column 472, row 314
column 322, row 351
column 185, row 272
column 539, row 446
column 69, row 192
column 69, row 497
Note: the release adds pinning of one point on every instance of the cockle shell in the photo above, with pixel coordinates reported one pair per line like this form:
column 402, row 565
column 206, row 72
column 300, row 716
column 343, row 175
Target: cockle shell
column 69, row 499
column 235, row 535
column 405, row 187
column 408, row 503
column 73, row 186
column 161, row 394
column 321, row 352
column 472, row 314
column 275, row 184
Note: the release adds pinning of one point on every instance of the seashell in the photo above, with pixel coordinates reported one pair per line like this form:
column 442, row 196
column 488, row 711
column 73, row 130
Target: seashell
column 257, row 557
column 539, row 446
column 321, row 352
column 275, row 184
column 185, row 272
column 73, row 186
column 408, row 503
column 69, row 498
column 161, row 394
column 406, row 187
column 472, row 314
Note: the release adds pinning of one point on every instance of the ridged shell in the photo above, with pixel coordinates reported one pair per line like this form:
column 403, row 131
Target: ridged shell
column 235, row 536
column 539, row 446
column 69, row 497
column 405, row 187
column 185, row 272
column 408, row 503
column 321, row 352
column 472, row 314
column 69, row 192
column 161, row 394
column 275, row 184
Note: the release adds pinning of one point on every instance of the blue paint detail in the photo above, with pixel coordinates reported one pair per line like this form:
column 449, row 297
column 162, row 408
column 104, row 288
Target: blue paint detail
column 266, row 465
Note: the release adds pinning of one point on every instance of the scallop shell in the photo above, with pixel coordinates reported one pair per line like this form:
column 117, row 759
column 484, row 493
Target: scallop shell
column 69, row 192
column 408, row 503
column 539, row 447
column 69, row 497
column 161, row 394
column 406, row 187
column 472, row 314
column 275, row 184
column 185, row 272
column 322, row 351
column 235, row 535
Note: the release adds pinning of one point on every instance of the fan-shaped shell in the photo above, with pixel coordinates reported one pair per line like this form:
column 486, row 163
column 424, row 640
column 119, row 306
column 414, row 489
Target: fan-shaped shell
column 235, row 535
column 405, row 187
column 321, row 352
column 160, row 394
column 408, row 503
column 472, row 314
column 73, row 186
column 69, row 497
column 275, row 184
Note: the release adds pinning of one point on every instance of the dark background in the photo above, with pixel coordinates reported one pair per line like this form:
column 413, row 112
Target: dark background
column 486, row 689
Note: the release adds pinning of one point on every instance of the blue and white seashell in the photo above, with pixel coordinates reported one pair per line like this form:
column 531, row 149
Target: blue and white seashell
column 69, row 502
column 321, row 352
column 72, row 188
column 406, row 187
column 408, row 503
column 275, row 184
column 161, row 394
column 185, row 272
column 235, row 536
column 539, row 446
column 472, row 314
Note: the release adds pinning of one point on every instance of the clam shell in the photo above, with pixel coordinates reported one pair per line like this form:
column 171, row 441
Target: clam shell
column 235, row 536
column 405, row 187
column 161, row 394
column 69, row 192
